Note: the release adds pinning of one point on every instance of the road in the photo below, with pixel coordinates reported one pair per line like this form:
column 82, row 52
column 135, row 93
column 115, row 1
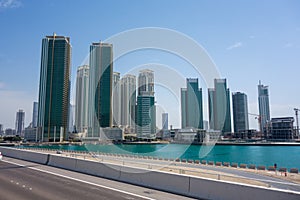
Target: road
column 33, row 181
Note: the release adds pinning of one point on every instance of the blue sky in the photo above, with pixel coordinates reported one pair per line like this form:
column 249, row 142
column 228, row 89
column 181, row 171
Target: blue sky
column 248, row 40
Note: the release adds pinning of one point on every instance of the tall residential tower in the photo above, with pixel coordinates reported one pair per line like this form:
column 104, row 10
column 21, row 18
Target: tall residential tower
column 128, row 100
column 145, row 111
column 81, row 101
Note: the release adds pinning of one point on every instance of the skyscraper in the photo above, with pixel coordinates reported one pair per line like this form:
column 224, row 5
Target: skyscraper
column 240, row 112
column 20, row 118
column 263, row 105
column 219, row 106
column 35, row 114
column 100, row 88
column 116, row 98
column 165, row 121
column 128, row 100
column 145, row 111
column 191, row 105
column 54, row 89
column 71, row 118
column 81, row 102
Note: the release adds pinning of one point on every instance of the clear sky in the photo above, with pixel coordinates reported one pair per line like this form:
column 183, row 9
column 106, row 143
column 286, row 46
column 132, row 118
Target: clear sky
column 248, row 40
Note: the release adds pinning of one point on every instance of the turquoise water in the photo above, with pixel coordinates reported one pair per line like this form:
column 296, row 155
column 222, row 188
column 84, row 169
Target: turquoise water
column 283, row 156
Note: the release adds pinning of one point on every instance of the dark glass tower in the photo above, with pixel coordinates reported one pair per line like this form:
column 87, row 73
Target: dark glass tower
column 240, row 112
column 54, row 89
column 100, row 88
column 191, row 105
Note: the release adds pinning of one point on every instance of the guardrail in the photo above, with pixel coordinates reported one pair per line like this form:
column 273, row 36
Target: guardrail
column 171, row 165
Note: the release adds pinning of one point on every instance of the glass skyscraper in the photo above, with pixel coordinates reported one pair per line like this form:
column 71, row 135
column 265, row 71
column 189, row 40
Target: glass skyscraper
column 100, row 88
column 191, row 105
column 240, row 112
column 81, row 101
column 145, row 111
column 219, row 106
column 54, row 88
column 263, row 105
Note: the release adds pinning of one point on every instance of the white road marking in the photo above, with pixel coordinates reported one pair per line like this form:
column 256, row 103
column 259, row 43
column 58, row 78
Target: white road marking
column 75, row 179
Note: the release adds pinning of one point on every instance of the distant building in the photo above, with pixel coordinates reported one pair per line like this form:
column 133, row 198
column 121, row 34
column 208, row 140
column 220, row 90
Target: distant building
column 219, row 106
column 35, row 114
column 71, row 118
column 20, row 120
column 32, row 134
column 145, row 110
column 10, row 131
column 81, row 101
column 1, row 129
column 240, row 112
column 100, row 88
column 281, row 128
column 128, row 101
column 54, row 88
column 191, row 105
column 165, row 125
column 263, row 104
column 116, row 98
column 205, row 125
column 199, row 136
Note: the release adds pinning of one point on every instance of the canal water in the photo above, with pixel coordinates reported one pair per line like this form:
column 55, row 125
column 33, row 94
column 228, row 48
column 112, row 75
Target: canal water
column 283, row 156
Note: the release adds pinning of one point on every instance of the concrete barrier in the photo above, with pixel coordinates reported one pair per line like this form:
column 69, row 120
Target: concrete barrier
column 62, row 162
column 174, row 183
column 294, row 170
column 211, row 189
column 243, row 165
column 99, row 169
column 41, row 158
column 261, row 167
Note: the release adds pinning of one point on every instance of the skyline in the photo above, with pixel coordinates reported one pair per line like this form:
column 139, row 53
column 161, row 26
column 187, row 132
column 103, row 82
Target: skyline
column 265, row 44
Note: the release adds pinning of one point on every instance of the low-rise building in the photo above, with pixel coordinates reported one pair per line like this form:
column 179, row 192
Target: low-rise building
column 281, row 128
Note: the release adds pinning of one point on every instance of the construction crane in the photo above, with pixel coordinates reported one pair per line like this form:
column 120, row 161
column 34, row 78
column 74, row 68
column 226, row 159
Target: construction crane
column 297, row 122
column 258, row 117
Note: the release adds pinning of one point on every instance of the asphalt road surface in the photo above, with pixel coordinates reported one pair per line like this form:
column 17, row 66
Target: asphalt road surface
column 25, row 182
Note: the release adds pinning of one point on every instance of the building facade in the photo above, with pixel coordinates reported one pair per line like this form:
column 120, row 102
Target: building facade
column 81, row 101
column 100, row 88
column 240, row 112
column 20, row 120
column 263, row 105
column 191, row 105
column 281, row 129
column 145, row 109
column 54, row 88
column 219, row 106
column 128, row 101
